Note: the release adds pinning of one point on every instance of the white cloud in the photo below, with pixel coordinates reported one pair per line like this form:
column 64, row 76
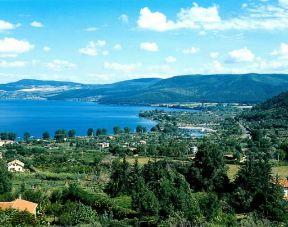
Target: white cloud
column 283, row 3
column 59, row 65
column 91, row 29
column 241, row 55
column 92, row 48
column 192, row 50
column 149, row 46
column 244, row 5
column 36, row 24
column 46, row 49
column 124, row 18
column 13, row 64
column 117, row 47
column 265, row 17
column 282, row 51
column 105, row 53
column 121, row 67
column 170, row 59
column 5, row 25
column 214, row 55
column 10, row 47
column 154, row 21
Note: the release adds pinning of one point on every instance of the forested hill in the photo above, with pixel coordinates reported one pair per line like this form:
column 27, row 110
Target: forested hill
column 270, row 116
column 252, row 88
column 247, row 88
column 30, row 83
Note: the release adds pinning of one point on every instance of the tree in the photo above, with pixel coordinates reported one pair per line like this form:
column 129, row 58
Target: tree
column 5, row 178
column 8, row 136
column 45, row 135
column 127, row 130
column 140, row 129
column 208, row 172
column 78, row 214
column 11, row 136
column 26, row 136
column 117, row 130
column 4, row 136
column 60, row 135
column 90, row 132
column 71, row 133
column 256, row 191
column 119, row 179
column 101, row 132
column 144, row 200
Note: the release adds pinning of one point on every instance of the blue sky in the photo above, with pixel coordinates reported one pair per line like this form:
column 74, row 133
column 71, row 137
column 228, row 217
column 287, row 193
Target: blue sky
column 103, row 41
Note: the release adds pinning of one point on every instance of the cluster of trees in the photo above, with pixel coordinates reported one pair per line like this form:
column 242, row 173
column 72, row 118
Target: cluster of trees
column 200, row 191
column 98, row 132
column 8, row 136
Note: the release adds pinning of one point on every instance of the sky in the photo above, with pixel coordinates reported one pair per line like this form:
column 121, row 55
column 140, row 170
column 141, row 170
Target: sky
column 104, row 41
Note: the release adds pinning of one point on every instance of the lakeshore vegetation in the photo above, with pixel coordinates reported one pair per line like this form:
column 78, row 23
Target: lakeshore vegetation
column 162, row 177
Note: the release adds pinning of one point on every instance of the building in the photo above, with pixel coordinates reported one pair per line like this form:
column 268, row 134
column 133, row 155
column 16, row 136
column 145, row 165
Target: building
column 4, row 142
column 284, row 184
column 142, row 142
column 20, row 204
column 16, row 166
column 104, row 145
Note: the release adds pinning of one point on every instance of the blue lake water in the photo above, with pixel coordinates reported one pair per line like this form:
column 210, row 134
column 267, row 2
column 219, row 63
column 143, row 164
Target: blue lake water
column 36, row 117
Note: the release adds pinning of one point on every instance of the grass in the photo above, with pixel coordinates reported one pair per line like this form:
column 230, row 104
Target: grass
column 232, row 171
column 281, row 171
column 141, row 160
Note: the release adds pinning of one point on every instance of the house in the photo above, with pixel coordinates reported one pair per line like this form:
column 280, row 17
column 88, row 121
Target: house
column 20, row 204
column 104, row 145
column 284, row 184
column 4, row 142
column 194, row 150
column 142, row 142
column 243, row 159
column 16, row 166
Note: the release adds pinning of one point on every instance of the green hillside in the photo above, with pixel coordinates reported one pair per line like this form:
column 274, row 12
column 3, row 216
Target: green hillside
column 252, row 88
column 270, row 116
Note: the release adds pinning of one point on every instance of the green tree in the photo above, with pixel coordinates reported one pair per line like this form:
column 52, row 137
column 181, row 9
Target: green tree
column 117, row 130
column 144, row 200
column 45, row 135
column 12, row 217
column 208, row 171
column 5, row 178
column 119, row 179
column 256, row 191
column 60, row 135
column 26, row 136
column 73, row 214
column 101, row 132
column 90, row 132
column 11, row 136
column 72, row 133
column 127, row 130
column 140, row 129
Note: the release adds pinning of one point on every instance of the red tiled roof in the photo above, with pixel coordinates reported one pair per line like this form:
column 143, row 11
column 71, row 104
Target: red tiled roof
column 284, row 183
column 20, row 204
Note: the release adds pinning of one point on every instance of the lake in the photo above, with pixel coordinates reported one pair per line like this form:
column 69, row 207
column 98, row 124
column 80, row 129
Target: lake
column 36, row 117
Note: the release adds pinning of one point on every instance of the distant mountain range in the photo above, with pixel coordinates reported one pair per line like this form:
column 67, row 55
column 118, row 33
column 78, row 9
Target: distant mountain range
column 252, row 88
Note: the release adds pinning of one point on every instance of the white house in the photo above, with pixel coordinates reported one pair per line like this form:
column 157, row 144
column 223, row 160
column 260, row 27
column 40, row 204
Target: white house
column 16, row 166
column 104, row 145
